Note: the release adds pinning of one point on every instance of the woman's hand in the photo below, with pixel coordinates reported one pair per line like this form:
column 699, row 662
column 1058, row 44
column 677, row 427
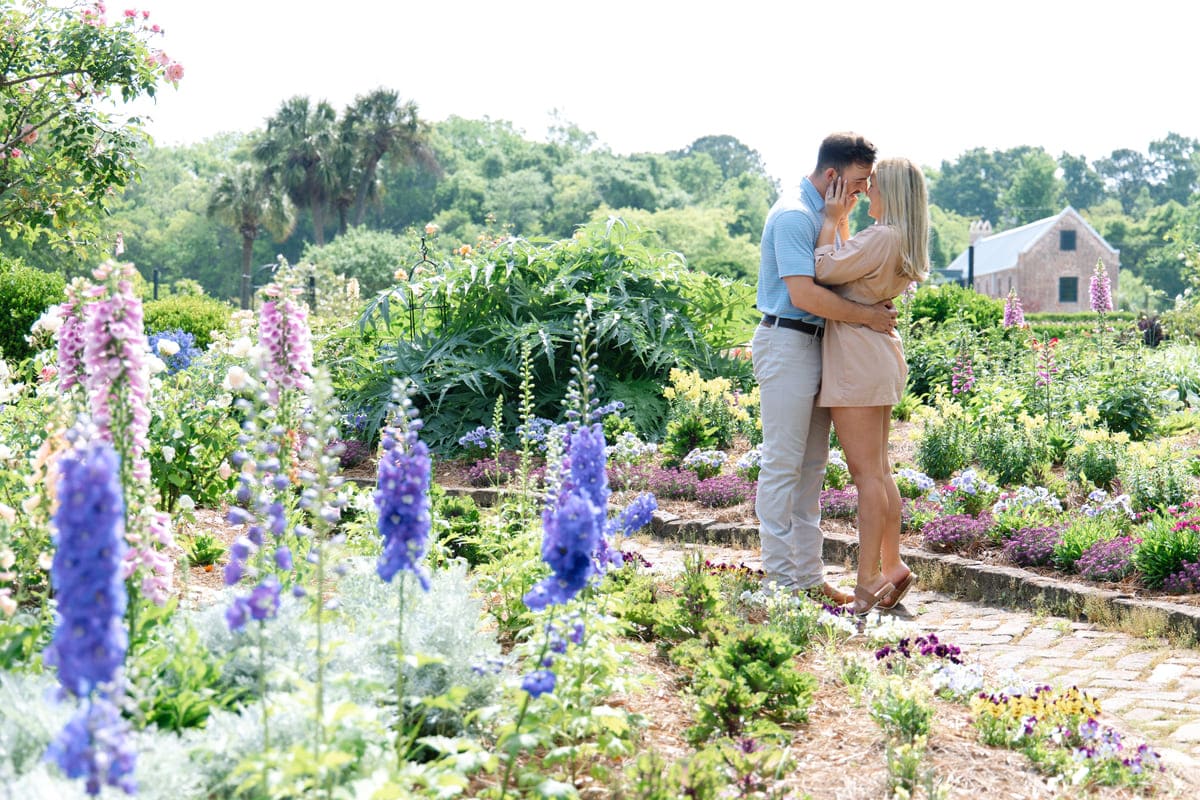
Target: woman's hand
column 839, row 202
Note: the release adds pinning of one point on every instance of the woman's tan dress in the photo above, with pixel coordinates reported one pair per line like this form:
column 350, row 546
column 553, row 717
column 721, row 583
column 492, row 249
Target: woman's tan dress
column 859, row 366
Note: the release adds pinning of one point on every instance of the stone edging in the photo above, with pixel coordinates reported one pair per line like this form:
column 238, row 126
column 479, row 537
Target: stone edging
column 954, row 575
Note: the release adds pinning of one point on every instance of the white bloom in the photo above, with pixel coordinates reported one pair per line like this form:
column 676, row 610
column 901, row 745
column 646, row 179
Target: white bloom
column 9, row 515
column 30, row 504
column 155, row 364
column 223, row 400
column 168, row 453
column 236, row 380
column 46, row 561
column 50, row 321
column 186, row 503
column 7, row 558
column 224, row 471
column 241, row 347
column 167, row 347
column 6, row 452
column 7, row 604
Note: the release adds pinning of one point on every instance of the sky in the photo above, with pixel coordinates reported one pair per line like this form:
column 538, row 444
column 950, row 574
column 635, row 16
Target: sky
column 924, row 79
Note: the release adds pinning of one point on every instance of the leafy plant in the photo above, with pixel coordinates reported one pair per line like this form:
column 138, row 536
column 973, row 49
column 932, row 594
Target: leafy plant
column 203, row 549
column 1166, row 544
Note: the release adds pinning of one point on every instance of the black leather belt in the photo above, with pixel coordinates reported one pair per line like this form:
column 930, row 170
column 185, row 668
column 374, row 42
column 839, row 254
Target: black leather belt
column 771, row 321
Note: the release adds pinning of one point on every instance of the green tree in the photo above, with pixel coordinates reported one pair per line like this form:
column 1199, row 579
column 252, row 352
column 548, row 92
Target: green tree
column 1034, row 191
column 378, row 126
column 1175, row 167
column 247, row 201
column 969, row 186
column 63, row 153
column 298, row 154
column 1082, row 186
column 1127, row 173
column 730, row 155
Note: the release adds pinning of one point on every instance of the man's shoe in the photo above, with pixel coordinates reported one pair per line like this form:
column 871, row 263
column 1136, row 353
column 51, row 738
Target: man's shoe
column 828, row 593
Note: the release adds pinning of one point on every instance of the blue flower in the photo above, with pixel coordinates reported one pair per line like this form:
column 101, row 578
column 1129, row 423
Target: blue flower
column 264, row 599
column 89, row 639
column 539, row 682
column 182, row 357
column 95, row 746
column 636, row 515
column 402, row 499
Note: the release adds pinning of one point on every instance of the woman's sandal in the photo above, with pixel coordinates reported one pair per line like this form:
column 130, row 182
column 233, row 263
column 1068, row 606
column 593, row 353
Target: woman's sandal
column 864, row 601
column 898, row 592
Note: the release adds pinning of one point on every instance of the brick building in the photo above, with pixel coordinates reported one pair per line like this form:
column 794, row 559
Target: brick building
column 1049, row 263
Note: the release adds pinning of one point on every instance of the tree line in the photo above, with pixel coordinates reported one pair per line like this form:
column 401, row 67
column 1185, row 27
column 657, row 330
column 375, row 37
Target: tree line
column 218, row 213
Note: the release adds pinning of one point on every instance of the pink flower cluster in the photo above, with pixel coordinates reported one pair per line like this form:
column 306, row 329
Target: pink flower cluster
column 1101, row 290
column 287, row 344
column 1014, row 315
column 962, row 376
column 102, row 347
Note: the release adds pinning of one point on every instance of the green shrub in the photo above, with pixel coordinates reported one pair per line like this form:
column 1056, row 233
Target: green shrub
column 370, row 256
column 1097, row 460
column 1163, row 549
column 1008, row 451
column 1155, row 478
column 25, row 293
column 1078, row 536
column 198, row 315
column 944, row 302
column 944, row 447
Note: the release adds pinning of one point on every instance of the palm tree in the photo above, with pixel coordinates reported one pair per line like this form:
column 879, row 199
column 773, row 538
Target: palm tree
column 297, row 155
column 377, row 125
column 248, row 202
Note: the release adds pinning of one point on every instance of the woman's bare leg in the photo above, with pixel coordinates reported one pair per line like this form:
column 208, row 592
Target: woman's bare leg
column 862, row 432
column 894, row 568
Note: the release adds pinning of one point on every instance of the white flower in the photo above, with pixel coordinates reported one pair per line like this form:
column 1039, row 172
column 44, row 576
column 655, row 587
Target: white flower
column 50, row 321
column 7, row 558
column 224, row 471
column 241, row 347
column 236, row 379
column 7, row 604
column 186, row 503
column 167, row 347
column 155, row 364
column 46, row 561
column 6, row 452
column 168, row 453
column 30, row 504
column 223, row 400
column 8, row 514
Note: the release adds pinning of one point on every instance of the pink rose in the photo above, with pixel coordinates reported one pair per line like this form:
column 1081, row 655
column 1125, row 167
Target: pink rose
column 175, row 72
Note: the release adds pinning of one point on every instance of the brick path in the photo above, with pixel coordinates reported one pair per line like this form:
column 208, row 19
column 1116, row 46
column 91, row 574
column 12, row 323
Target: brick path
column 1145, row 686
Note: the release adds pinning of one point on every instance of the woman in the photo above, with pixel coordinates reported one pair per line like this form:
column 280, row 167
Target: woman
column 863, row 371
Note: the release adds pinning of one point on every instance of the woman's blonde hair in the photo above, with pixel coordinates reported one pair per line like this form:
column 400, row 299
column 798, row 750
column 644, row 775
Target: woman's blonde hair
column 906, row 205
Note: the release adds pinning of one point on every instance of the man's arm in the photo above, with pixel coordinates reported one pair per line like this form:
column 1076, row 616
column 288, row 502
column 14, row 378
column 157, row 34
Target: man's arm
column 816, row 299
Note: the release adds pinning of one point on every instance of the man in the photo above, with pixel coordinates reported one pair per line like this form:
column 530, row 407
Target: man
column 786, row 350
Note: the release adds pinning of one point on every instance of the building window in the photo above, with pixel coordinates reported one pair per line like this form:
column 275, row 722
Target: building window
column 1068, row 290
column 1066, row 240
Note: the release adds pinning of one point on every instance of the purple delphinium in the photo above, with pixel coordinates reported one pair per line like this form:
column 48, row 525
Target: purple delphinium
column 1032, row 547
column 955, row 532
column 1014, row 315
column 95, row 746
column 674, row 484
column 1101, row 290
column 1109, row 560
column 90, row 641
column 724, row 490
column 539, row 682
column 402, row 499
column 1185, row 581
column 839, row 503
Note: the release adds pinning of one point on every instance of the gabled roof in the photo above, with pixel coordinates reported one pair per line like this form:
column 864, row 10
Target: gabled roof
column 1000, row 250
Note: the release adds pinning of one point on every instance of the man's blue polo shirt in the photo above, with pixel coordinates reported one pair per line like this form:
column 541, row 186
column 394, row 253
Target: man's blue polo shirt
column 787, row 249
